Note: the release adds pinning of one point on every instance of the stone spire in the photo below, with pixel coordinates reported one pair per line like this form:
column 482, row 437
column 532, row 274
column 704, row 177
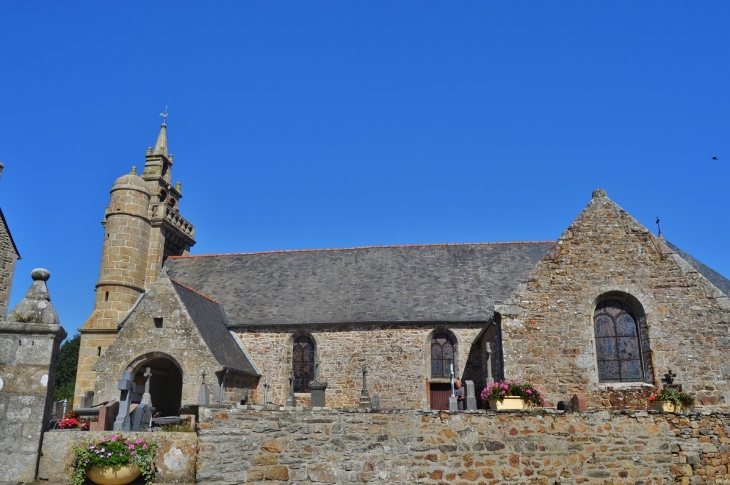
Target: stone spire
column 161, row 145
column 36, row 307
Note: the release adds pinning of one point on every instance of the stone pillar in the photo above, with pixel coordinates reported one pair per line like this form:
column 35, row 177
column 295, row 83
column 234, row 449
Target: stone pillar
column 471, row 399
column 29, row 344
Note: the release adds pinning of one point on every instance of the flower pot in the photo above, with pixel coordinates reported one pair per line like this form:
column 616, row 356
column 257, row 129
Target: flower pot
column 509, row 403
column 108, row 475
column 667, row 406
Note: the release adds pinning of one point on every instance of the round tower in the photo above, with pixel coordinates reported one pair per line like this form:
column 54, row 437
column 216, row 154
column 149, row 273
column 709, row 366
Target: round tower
column 124, row 254
column 122, row 275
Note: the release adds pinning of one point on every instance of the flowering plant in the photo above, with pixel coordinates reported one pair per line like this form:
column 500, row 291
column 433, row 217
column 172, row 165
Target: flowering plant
column 115, row 451
column 673, row 395
column 72, row 420
column 501, row 389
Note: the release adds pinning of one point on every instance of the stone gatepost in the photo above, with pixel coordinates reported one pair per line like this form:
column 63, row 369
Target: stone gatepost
column 29, row 344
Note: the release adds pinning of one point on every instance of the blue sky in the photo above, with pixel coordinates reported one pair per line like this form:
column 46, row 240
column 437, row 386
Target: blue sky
column 339, row 124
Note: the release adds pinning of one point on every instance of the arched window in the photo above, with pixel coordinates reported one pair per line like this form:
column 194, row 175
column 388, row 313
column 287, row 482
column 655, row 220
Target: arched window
column 442, row 355
column 617, row 343
column 303, row 363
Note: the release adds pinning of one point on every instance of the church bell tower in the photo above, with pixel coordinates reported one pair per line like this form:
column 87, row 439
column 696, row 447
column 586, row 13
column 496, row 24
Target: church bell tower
column 142, row 227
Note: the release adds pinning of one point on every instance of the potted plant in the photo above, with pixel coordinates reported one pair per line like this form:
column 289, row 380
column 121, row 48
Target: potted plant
column 512, row 395
column 113, row 461
column 671, row 400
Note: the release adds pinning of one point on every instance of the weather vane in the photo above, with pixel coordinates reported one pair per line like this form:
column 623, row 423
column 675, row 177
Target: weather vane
column 164, row 115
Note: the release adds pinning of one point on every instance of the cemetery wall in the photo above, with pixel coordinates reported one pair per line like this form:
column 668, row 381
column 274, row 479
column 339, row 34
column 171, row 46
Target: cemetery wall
column 397, row 357
column 175, row 458
column 547, row 324
column 251, row 445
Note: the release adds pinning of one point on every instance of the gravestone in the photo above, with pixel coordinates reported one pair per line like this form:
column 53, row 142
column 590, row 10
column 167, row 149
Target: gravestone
column 318, row 389
column 122, row 422
column 291, row 400
column 146, row 397
column 578, row 403
column 365, row 401
column 203, row 392
column 107, row 413
column 471, row 400
column 141, row 417
column 87, row 400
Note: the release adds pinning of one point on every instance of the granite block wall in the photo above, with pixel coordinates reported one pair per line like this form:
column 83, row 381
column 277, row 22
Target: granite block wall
column 252, row 445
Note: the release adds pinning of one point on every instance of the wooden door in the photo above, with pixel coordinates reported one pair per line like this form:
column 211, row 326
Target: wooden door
column 440, row 394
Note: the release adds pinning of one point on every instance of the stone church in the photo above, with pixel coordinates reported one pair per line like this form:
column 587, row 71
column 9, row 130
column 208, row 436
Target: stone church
column 605, row 310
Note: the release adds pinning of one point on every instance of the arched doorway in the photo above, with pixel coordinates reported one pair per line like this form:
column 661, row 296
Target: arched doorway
column 165, row 384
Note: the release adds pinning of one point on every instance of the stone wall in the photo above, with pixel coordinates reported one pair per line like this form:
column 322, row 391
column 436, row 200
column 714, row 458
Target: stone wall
column 547, row 324
column 8, row 257
column 250, row 445
column 175, row 460
column 397, row 357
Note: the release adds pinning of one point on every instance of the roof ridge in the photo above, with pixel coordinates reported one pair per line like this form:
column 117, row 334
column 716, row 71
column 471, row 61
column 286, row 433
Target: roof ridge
column 194, row 291
column 393, row 246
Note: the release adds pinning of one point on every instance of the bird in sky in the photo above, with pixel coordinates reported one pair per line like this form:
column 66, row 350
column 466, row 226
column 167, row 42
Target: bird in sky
column 715, row 158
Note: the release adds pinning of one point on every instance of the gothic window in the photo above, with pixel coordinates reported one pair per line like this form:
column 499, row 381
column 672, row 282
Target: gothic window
column 442, row 355
column 617, row 343
column 303, row 363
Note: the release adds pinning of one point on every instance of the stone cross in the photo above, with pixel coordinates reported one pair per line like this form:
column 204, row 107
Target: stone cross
column 488, row 352
column 122, row 422
column 266, row 389
column 203, row 392
column 291, row 400
column 669, row 377
column 146, row 397
column 365, row 401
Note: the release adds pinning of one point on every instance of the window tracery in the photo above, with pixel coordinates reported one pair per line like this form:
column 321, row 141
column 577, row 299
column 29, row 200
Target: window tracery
column 303, row 363
column 442, row 355
column 618, row 352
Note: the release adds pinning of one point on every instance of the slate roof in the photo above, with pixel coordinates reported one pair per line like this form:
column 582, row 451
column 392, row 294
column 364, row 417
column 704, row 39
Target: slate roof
column 419, row 283
column 722, row 283
column 212, row 323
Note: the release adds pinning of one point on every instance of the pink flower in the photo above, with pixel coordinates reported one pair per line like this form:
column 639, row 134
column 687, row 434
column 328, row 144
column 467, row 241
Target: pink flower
column 131, row 447
column 144, row 446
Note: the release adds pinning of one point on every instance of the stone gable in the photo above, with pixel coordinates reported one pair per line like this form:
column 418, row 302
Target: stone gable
column 547, row 324
column 160, row 326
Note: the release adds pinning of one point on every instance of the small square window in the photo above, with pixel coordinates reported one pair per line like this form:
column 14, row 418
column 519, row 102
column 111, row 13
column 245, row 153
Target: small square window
column 158, row 322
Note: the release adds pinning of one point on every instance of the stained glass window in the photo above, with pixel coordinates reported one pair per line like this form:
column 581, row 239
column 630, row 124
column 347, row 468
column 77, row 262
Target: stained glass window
column 442, row 355
column 303, row 363
column 617, row 343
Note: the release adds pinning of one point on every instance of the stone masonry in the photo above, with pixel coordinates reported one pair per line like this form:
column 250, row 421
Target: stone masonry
column 257, row 446
column 547, row 324
column 396, row 356
column 142, row 227
column 8, row 256
column 29, row 344
column 177, row 340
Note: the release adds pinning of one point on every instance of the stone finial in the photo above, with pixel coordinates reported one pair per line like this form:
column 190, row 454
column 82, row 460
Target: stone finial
column 2, row 166
column 149, row 151
column 36, row 307
column 134, row 170
column 178, row 186
column 161, row 144
column 598, row 193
